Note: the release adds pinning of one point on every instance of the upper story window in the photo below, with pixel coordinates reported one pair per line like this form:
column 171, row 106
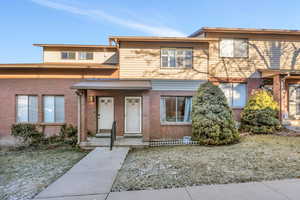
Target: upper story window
column 68, row 55
column 86, row 55
column 234, row 48
column 177, row 57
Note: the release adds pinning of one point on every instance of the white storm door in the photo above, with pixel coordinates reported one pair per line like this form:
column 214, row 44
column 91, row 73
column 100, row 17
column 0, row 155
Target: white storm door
column 133, row 114
column 105, row 112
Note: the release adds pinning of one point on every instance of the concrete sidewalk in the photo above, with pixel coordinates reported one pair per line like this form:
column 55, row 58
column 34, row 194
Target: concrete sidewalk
column 91, row 178
column 270, row 190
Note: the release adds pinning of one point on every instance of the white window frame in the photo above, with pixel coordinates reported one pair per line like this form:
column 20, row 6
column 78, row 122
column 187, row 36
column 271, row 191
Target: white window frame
column 168, row 49
column 231, row 93
column 28, row 108
column 232, row 46
column 176, row 112
column 68, row 53
column 85, row 53
column 54, row 121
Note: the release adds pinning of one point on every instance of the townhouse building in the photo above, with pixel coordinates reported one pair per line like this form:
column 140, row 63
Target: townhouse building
column 146, row 84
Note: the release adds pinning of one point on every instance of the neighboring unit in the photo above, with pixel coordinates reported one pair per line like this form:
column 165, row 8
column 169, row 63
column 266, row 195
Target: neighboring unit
column 146, row 84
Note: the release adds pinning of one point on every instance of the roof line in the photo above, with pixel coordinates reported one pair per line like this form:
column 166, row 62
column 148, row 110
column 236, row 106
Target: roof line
column 75, row 45
column 59, row 65
column 153, row 39
column 245, row 30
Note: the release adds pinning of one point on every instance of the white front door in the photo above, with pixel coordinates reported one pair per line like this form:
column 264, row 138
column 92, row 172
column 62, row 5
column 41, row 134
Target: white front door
column 133, row 113
column 105, row 113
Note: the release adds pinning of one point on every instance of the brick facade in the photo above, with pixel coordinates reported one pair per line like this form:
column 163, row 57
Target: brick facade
column 11, row 87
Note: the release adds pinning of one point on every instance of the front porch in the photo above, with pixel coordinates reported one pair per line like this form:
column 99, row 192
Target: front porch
column 285, row 85
column 92, row 142
column 100, row 103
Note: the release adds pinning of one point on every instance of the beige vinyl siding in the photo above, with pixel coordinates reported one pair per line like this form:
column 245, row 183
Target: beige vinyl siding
column 266, row 53
column 141, row 60
column 107, row 56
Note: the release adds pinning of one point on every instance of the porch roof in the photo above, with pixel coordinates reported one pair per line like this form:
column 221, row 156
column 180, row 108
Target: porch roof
column 114, row 85
column 268, row 73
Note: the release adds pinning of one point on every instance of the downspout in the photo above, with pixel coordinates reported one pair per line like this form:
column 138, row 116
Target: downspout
column 79, row 94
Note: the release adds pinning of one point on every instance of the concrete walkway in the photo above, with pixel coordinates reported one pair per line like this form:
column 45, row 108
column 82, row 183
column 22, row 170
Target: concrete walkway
column 270, row 190
column 91, row 178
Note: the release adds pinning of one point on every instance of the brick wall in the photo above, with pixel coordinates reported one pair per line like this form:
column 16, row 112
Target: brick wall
column 11, row 87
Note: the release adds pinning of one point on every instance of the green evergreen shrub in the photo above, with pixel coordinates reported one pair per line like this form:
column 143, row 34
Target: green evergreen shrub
column 260, row 115
column 212, row 119
column 28, row 132
column 68, row 134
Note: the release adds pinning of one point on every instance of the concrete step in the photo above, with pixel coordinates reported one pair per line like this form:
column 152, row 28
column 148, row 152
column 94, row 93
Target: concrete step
column 103, row 135
column 133, row 135
column 293, row 128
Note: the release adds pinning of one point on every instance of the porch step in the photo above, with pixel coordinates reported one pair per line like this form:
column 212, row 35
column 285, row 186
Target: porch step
column 93, row 142
column 291, row 122
column 131, row 135
column 103, row 135
column 293, row 128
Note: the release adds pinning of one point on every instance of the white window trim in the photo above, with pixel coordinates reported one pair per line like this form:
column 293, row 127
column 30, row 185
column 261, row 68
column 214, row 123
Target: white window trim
column 176, row 67
column 43, row 109
column 86, row 52
column 233, row 54
column 231, row 95
column 61, row 57
column 177, row 122
column 17, row 109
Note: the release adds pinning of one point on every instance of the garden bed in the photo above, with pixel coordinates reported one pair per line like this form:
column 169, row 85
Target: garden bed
column 256, row 158
column 25, row 173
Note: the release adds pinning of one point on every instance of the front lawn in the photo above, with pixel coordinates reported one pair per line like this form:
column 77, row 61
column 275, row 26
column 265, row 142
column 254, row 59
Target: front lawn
column 256, row 158
column 25, row 173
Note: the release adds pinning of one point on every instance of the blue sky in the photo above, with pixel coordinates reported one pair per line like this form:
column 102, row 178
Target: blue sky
column 24, row 22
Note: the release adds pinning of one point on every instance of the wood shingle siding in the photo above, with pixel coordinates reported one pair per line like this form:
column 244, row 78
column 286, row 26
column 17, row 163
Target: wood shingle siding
column 141, row 60
column 264, row 53
column 107, row 56
column 168, row 85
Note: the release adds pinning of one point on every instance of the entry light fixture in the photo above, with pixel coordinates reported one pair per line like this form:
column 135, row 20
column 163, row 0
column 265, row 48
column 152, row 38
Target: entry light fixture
column 91, row 99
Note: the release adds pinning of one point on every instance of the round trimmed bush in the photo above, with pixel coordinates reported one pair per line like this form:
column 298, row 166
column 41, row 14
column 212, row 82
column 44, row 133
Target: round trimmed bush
column 212, row 119
column 260, row 115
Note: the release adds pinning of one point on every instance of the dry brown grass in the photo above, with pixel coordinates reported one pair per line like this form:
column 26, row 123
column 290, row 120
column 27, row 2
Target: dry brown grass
column 256, row 158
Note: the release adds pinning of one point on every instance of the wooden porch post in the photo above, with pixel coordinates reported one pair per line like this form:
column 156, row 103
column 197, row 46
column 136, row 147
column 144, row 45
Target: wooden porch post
column 83, row 116
column 277, row 91
column 78, row 117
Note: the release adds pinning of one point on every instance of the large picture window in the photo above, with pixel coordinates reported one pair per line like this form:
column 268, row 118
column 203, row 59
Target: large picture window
column 27, row 109
column 177, row 57
column 235, row 94
column 175, row 109
column 234, row 48
column 54, row 109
